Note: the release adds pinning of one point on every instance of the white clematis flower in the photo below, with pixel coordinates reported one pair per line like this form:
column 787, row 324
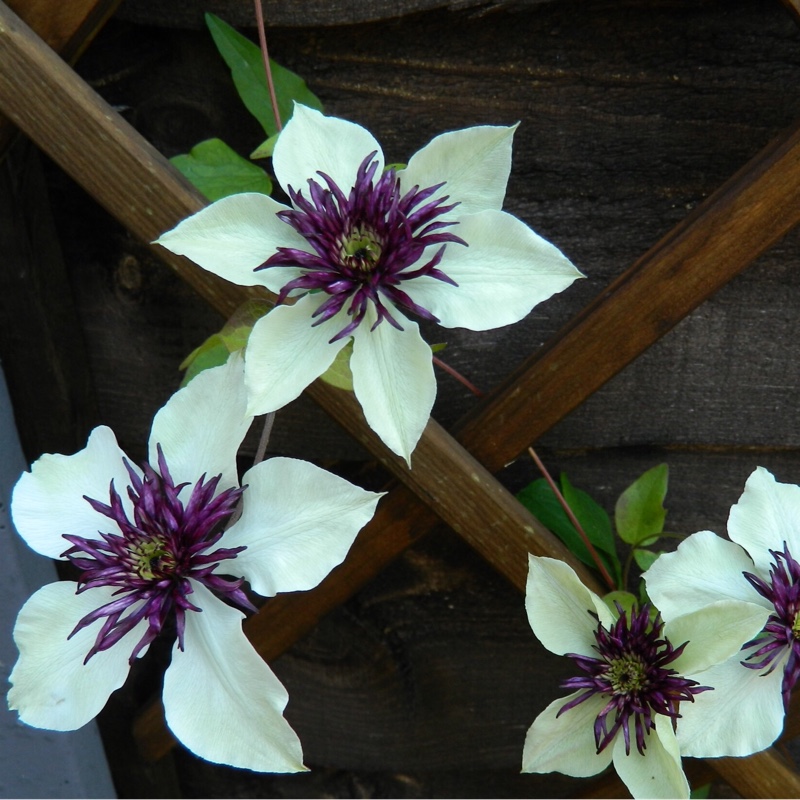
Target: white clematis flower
column 156, row 552
column 362, row 247
column 760, row 565
column 642, row 681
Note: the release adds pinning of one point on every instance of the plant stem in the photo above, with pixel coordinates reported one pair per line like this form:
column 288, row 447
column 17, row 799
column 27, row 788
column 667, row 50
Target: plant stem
column 574, row 520
column 261, row 449
column 458, row 376
column 262, row 40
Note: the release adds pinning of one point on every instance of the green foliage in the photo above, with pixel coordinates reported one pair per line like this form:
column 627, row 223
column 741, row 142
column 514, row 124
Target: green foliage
column 540, row 500
column 701, row 792
column 639, row 514
column 233, row 336
column 218, row 171
column 625, row 599
column 338, row 373
column 246, row 63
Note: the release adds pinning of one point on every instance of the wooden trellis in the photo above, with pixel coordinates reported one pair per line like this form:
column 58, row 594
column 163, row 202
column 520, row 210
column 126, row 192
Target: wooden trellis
column 452, row 477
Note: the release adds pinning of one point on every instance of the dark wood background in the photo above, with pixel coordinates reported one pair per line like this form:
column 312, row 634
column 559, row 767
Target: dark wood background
column 631, row 113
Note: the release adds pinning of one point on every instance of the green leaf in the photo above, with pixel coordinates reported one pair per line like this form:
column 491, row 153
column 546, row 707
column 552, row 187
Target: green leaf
column 540, row 500
column 645, row 558
column 266, row 148
column 640, row 513
column 625, row 599
column 701, row 792
column 215, row 350
column 218, row 171
column 245, row 61
column 338, row 374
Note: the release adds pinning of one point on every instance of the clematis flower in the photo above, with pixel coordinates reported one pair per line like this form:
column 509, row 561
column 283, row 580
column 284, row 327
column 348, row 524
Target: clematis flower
column 758, row 565
column 364, row 245
column 641, row 683
column 153, row 555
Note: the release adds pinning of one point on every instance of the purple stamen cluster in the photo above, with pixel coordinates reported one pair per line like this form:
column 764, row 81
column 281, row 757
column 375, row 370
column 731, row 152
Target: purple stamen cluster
column 364, row 243
column 782, row 631
column 632, row 672
column 154, row 555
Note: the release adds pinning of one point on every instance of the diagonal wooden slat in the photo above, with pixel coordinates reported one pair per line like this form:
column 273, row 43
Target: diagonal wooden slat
column 133, row 182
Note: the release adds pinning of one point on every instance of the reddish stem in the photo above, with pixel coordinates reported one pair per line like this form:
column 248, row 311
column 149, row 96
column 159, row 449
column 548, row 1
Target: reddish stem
column 262, row 39
column 458, row 376
column 573, row 519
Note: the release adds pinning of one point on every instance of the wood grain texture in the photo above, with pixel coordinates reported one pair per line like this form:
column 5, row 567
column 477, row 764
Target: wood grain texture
column 362, row 66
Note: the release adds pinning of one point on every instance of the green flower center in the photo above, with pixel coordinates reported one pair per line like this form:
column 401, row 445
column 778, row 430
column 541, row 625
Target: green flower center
column 796, row 626
column 627, row 674
column 152, row 559
column 361, row 250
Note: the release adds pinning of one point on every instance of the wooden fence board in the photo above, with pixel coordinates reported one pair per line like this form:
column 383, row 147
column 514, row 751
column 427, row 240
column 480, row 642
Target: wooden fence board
column 136, row 217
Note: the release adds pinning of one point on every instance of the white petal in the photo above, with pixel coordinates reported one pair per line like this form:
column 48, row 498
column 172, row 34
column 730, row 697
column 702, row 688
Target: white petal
column 393, row 380
column 504, row 272
column 566, row 744
column 715, row 633
column 298, row 523
column 705, row 568
column 285, row 353
column 221, row 700
column 741, row 715
column 474, row 162
column 657, row 773
column 559, row 607
column 51, row 686
column 766, row 516
column 49, row 500
column 202, row 425
column 312, row 143
column 233, row 236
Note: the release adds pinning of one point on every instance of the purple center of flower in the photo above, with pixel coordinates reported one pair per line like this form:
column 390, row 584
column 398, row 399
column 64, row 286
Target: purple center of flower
column 632, row 673
column 782, row 631
column 365, row 245
column 158, row 549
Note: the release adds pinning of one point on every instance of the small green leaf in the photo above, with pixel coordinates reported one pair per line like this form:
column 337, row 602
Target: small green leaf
column 218, row 171
column 639, row 512
column 266, row 148
column 540, row 500
column 625, row 599
column 701, row 792
column 338, row 374
column 245, row 61
column 645, row 558
column 215, row 350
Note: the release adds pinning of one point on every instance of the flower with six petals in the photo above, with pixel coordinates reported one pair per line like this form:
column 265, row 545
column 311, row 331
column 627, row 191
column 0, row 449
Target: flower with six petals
column 362, row 246
column 152, row 551
column 643, row 681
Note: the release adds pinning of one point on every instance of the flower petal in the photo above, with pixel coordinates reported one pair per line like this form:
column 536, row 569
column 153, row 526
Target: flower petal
column 393, row 380
column 474, row 162
column 221, row 700
column 566, row 744
column 51, row 686
column 285, row 353
column 233, row 236
column 657, row 773
column 715, row 633
column 766, row 516
column 559, row 607
column 193, row 445
column 742, row 715
column 504, row 272
column 298, row 522
column 49, row 500
column 705, row 568
column 312, row 143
